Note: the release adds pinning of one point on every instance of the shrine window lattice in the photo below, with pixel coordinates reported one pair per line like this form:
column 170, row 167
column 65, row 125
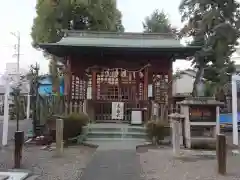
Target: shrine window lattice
column 113, row 86
column 113, row 89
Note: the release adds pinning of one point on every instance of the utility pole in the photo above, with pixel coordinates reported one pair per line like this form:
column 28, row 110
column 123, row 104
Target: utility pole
column 19, row 135
column 17, row 35
column 6, row 94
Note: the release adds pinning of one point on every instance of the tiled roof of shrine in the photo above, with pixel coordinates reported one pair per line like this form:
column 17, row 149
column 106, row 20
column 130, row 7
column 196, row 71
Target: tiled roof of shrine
column 119, row 40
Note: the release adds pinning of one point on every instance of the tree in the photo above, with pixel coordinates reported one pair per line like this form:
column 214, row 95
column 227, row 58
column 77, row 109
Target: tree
column 214, row 25
column 55, row 15
column 54, row 73
column 34, row 85
column 18, row 109
column 158, row 22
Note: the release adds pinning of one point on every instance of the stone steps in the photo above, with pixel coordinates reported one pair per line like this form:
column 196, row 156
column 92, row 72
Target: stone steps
column 107, row 134
column 116, row 139
column 117, row 129
column 115, row 132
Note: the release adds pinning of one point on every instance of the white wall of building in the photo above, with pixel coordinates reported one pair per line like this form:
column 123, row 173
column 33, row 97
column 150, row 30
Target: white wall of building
column 183, row 85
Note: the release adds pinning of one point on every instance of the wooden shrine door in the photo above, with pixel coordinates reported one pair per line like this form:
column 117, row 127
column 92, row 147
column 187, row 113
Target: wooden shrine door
column 117, row 88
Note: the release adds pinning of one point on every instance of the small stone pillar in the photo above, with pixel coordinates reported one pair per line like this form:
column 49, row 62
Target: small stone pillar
column 59, row 137
column 176, row 120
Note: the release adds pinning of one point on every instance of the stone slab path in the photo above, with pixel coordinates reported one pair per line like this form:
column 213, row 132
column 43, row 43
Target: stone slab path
column 109, row 163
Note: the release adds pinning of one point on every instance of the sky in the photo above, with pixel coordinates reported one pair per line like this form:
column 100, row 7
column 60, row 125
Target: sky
column 16, row 15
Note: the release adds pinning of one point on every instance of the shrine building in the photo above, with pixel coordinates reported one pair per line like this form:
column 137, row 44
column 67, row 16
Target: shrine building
column 116, row 73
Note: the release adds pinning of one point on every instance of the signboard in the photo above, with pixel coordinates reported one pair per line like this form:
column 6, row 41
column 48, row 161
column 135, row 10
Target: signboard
column 89, row 92
column 150, row 90
column 117, row 110
column 202, row 113
column 136, row 117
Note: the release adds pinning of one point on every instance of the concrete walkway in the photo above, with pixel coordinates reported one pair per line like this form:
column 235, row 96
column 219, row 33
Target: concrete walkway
column 111, row 163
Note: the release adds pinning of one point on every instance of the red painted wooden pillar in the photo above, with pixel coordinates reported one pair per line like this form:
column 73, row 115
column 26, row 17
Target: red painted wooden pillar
column 170, row 82
column 94, row 84
column 120, row 84
column 150, row 82
column 145, row 88
column 137, row 98
column 150, row 77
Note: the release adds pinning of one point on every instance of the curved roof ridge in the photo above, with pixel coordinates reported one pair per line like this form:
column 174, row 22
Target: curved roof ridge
column 119, row 35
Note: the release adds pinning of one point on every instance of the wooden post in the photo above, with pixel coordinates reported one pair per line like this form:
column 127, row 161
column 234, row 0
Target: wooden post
column 19, row 138
column 59, row 137
column 221, row 153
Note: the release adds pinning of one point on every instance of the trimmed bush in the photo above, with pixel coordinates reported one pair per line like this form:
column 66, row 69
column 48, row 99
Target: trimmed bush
column 156, row 131
column 73, row 124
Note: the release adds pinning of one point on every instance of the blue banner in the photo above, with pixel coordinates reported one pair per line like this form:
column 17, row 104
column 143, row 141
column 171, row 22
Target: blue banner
column 227, row 118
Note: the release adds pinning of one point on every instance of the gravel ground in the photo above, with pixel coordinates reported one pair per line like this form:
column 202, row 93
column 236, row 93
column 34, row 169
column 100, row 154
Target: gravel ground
column 161, row 165
column 43, row 162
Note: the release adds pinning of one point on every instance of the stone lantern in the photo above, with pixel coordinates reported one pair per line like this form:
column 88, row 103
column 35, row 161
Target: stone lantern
column 177, row 132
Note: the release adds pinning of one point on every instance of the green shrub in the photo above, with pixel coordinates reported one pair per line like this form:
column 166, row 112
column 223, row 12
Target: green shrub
column 81, row 118
column 156, row 131
column 73, row 124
